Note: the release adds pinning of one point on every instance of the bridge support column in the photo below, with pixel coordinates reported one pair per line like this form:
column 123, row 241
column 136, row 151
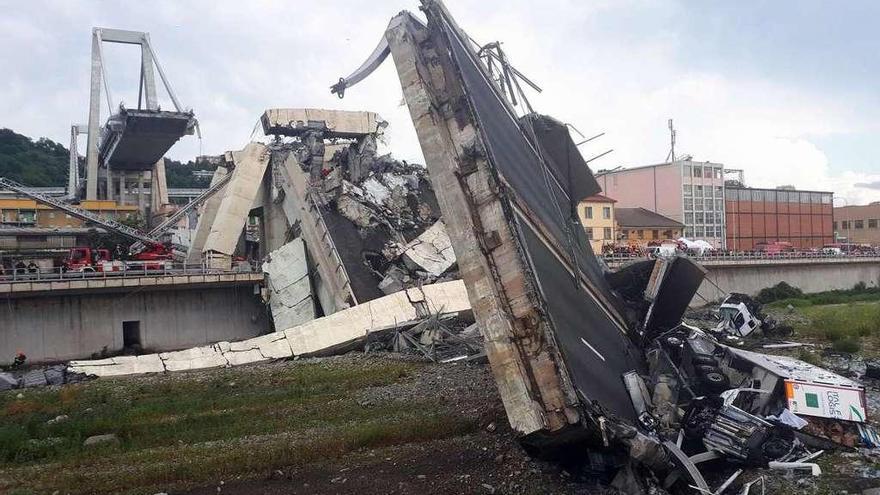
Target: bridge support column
column 94, row 118
column 140, row 192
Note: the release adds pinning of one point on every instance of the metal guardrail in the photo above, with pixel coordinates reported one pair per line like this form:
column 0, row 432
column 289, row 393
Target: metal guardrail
column 145, row 269
column 622, row 258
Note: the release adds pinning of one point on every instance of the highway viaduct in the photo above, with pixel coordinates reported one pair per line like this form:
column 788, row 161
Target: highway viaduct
column 78, row 316
column 749, row 276
column 82, row 315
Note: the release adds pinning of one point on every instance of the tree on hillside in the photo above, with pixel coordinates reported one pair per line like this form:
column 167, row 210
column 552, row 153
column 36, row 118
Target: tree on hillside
column 44, row 163
column 35, row 163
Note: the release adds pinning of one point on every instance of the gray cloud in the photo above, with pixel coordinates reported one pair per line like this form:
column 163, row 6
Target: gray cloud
column 869, row 185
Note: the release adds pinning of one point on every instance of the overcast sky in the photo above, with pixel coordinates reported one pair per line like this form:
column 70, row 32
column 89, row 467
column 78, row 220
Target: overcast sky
column 786, row 90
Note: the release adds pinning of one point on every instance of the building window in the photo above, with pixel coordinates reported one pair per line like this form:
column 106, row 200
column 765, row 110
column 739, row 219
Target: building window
column 844, row 225
column 698, row 171
column 718, row 231
column 719, row 204
column 688, row 189
column 607, row 233
column 655, row 234
column 859, row 224
column 834, row 225
column 589, row 231
column 606, row 212
column 872, row 223
column 687, row 171
column 708, row 205
column 689, row 232
column 815, row 198
column 689, row 204
column 826, row 199
column 689, row 218
column 626, row 234
column 700, row 231
column 27, row 216
column 719, row 174
column 588, row 211
column 640, row 234
column 698, row 191
column 805, row 198
column 699, row 217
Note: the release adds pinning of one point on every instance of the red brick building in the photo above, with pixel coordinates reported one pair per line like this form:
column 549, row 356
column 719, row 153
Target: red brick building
column 752, row 216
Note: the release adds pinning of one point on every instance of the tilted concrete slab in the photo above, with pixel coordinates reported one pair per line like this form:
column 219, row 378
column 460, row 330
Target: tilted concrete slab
column 196, row 358
column 327, row 334
column 207, row 214
column 250, row 165
column 332, row 284
column 270, row 346
column 290, row 291
column 336, row 123
column 117, row 366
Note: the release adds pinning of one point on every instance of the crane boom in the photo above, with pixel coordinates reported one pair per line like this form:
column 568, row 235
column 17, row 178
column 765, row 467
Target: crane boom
column 109, row 224
column 163, row 227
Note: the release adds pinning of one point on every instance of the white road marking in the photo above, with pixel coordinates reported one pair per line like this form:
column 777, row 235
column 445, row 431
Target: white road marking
column 593, row 349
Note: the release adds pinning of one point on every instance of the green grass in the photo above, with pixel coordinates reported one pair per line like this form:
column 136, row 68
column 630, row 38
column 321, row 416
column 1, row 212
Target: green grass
column 829, row 297
column 844, row 325
column 185, row 429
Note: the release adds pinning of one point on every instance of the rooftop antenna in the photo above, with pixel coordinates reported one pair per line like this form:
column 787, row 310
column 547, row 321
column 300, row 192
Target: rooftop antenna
column 671, row 156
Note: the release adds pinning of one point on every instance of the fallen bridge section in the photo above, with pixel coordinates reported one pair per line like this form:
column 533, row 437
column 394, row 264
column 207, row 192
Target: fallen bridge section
column 332, row 334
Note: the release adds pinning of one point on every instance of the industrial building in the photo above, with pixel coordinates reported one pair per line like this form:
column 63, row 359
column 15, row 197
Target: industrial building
column 859, row 224
column 688, row 192
column 755, row 216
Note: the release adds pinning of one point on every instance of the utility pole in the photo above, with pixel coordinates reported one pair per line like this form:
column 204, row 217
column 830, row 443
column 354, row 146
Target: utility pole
column 671, row 156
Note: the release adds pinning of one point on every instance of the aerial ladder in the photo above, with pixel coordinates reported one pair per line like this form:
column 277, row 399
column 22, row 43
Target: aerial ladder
column 146, row 245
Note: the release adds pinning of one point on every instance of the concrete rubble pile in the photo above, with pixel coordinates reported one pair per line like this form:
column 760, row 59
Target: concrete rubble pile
column 381, row 213
column 588, row 360
column 58, row 374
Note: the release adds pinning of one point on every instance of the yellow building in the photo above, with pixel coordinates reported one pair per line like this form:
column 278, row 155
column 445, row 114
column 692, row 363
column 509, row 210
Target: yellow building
column 19, row 212
column 597, row 217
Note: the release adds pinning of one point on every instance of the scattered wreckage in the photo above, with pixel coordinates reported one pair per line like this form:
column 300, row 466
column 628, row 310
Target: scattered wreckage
column 583, row 357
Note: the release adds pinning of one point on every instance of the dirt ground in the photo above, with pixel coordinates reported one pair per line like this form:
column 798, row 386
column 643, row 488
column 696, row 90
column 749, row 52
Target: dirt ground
column 486, row 461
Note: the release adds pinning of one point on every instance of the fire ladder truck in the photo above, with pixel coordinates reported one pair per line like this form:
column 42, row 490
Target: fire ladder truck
column 148, row 251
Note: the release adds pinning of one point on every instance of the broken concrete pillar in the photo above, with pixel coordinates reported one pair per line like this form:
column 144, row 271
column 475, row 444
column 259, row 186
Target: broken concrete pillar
column 526, row 370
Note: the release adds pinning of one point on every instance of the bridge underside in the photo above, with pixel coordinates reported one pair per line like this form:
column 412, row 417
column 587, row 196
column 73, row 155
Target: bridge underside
column 77, row 319
column 137, row 139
